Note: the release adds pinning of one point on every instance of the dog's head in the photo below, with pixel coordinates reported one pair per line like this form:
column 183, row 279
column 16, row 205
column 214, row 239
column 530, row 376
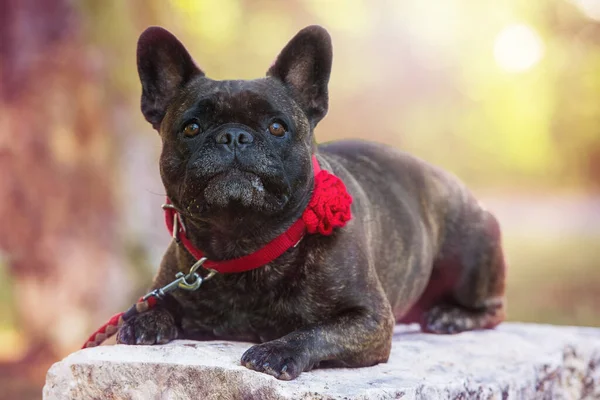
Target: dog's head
column 235, row 146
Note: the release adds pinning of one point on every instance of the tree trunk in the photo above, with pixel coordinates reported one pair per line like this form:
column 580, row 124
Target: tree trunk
column 58, row 233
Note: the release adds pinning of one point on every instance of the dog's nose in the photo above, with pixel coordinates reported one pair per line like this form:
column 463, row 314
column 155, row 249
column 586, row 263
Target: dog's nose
column 234, row 138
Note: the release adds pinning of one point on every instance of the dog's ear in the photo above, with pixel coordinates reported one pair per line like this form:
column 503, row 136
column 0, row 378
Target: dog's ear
column 304, row 66
column 164, row 66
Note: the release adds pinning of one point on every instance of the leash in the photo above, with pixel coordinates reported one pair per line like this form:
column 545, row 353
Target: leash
column 190, row 282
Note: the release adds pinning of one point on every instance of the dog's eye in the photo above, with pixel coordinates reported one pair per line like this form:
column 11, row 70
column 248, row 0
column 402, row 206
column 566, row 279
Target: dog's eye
column 277, row 129
column 191, row 129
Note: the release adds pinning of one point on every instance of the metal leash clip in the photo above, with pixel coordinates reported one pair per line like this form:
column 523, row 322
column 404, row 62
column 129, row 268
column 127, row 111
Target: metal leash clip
column 190, row 281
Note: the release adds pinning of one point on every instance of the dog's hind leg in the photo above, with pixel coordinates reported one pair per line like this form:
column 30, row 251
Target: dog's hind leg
column 474, row 256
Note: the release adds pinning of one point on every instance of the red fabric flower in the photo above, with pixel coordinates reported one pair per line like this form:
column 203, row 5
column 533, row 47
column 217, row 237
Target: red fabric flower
column 329, row 207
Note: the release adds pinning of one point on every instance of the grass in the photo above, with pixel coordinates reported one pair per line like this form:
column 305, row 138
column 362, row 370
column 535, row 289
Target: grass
column 554, row 280
column 7, row 317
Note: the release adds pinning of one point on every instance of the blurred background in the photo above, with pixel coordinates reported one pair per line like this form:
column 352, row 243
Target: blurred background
column 506, row 95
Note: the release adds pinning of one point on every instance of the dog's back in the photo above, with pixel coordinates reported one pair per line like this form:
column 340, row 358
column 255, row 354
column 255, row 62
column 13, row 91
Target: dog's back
column 423, row 223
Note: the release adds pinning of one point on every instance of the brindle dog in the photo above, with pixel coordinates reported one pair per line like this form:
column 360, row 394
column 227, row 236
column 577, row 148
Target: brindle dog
column 236, row 163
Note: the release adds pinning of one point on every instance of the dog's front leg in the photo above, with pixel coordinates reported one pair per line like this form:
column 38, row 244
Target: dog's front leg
column 356, row 338
column 158, row 325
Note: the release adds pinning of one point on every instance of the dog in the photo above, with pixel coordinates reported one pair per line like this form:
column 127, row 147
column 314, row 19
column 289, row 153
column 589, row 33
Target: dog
column 238, row 164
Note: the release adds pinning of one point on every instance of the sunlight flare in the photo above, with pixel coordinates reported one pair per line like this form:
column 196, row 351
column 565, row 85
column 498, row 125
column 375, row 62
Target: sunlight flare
column 518, row 48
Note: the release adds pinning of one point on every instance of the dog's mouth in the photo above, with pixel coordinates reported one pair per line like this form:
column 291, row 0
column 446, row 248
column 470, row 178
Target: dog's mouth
column 239, row 188
column 238, row 178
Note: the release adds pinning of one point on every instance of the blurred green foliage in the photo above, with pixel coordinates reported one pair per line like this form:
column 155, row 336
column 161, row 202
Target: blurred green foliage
column 6, row 294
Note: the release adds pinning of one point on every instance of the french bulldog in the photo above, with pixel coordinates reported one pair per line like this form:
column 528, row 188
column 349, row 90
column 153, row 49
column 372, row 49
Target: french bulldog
column 236, row 165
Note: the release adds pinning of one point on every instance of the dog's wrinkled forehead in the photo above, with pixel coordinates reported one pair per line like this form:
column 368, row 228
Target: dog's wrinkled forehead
column 237, row 101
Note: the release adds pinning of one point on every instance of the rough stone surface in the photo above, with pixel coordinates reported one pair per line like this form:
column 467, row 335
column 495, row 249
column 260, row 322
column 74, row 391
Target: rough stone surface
column 514, row 361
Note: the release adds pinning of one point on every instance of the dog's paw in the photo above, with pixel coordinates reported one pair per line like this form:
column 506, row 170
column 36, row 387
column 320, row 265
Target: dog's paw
column 451, row 319
column 155, row 326
column 277, row 358
column 448, row 320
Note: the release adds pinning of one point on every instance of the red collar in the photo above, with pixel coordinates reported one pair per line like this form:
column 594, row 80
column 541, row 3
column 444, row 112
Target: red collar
column 328, row 208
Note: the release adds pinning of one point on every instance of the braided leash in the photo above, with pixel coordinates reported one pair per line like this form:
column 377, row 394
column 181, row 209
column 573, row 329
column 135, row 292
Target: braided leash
column 190, row 282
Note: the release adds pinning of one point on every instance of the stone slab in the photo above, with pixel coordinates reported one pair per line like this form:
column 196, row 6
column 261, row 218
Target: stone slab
column 514, row 361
